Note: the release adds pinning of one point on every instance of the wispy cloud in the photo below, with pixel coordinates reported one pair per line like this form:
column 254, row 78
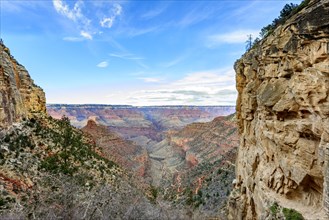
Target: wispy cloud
column 198, row 14
column 133, row 32
column 73, row 39
column 73, row 14
column 22, row 6
column 129, row 56
column 212, row 87
column 173, row 62
column 150, row 80
column 103, row 64
column 107, row 22
column 126, row 56
column 88, row 25
column 238, row 36
column 86, row 35
column 154, row 12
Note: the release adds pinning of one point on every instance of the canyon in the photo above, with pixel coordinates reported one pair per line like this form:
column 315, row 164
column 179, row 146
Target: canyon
column 269, row 160
column 164, row 162
column 139, row 123
column 173, row 138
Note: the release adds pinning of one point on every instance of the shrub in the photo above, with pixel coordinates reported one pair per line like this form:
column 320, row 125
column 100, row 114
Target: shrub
column 154, row 193
column 287, row 11
column 274, row 208
column 291, row 214
column 2, row 202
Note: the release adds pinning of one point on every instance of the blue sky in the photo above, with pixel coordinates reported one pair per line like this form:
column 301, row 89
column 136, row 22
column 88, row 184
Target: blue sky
column 134, row 52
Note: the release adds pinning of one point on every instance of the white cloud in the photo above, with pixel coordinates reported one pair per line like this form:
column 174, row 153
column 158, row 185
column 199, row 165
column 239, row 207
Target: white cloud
column 150, row 80
column 239, row 36
column 103, row 64
column 77, row 13
column 117, row 9
column 107, row 22
column 198, row 14
column 73, row 14
column 126, row 56
column 73, row 39
column 133, row 32
column 213, row 87
column 155, row 12
column 174, row 61
column 86, row 35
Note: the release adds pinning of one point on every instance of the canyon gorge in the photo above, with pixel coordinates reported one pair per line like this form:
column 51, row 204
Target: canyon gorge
column 173, row 162
column 268, row 160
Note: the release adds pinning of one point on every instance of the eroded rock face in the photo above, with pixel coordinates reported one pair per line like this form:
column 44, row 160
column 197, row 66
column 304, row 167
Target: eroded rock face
column 19, row 96
column 125, row 153
column 194, row 144
column 283, row 117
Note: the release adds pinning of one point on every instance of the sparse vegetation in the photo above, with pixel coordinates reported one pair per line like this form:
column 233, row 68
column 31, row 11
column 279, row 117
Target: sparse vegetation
column 278, row 212
column 287, row 11
column 274, row 208
column 73, row 150
column 2, row 202
column 154, row 193
column 291, row 214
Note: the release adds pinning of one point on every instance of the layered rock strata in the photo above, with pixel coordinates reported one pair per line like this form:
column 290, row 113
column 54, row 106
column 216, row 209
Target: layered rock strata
column 195, row 144
column 283, row 117
column 19, row 96
column 125, row 153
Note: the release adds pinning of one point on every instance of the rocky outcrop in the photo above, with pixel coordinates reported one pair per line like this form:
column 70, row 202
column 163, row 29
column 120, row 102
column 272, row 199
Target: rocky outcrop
column 283, row 117
column 195, row 166
column 19, row 96
column 194, row 144
column 125, row 153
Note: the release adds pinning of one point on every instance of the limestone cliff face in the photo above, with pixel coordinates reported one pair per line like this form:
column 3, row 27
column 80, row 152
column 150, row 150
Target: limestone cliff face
column 19, row 96
column 283, row 117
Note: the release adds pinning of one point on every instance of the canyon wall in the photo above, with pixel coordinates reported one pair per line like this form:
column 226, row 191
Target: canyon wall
column 283, row 117
column 19, row 96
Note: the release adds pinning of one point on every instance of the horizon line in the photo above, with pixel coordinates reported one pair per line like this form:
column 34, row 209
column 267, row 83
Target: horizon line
column 126, row 105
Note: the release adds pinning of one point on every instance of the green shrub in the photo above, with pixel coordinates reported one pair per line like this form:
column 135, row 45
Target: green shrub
column 291, row 214
column 73, row 151
column 154, row 193
column 287, row 11
column 2, row 202
column 274, row 208
column 50, row 163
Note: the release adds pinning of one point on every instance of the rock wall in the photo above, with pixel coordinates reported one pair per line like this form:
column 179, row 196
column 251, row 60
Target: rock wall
column 283, row 117
column 19, row 96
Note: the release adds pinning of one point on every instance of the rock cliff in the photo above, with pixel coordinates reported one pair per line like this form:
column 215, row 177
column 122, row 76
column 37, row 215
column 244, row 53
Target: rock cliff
column 195, row 144
column 283, row 117
column 125, row 153
column 19, row 96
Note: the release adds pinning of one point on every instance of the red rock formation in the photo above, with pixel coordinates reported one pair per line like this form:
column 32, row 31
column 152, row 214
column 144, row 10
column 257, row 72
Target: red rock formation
column 194, row 144
column 125, row 153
